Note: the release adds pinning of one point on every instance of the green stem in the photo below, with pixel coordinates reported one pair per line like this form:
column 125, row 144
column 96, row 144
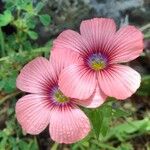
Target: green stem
column 4, row 99
column 2, row 42
column 147, row 36
column 54, row 146
column 145, row 27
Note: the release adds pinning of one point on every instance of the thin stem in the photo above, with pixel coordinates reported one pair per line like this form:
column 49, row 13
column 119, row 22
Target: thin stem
column 4, row 99
column 147, row 36
column 2, row 42
column 145, row 27
column 54, row 146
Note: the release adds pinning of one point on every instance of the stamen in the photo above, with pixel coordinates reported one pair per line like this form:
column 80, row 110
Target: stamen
column 60, row 97
column 97, row 62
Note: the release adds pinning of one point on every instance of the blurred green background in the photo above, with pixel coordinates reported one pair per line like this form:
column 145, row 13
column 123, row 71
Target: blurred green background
column 27, row 29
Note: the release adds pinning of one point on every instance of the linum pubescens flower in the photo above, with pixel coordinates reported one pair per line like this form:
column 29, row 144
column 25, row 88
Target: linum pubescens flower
column 100, row 48
column 46, row 104
column 83, row 70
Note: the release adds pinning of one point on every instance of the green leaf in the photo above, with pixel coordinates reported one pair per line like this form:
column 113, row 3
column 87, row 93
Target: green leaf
column 31, row 23
column 145, row 86
column 39, row 6
column 33, row 35
column 5, row 18
column 23, row 145
column 104, row 146
column 106, row 112
column 120, row 113
column 33, row 145
column 45, row 19
column 125, row 130
column 2, row 84
column 28, row 8
column 10, row 84
column 125, row 146
column 100, row 119
column 2, row 43
column 96, row 120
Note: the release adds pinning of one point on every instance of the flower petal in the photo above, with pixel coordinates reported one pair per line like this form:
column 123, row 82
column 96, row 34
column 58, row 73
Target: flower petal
column 76, row 81
column 63, row 58
column 33, row 113
column 127, row 45
column 97, row 99
column 70, row 40
column 98, row 32
column 36, row 77
column 68, row 125
column 119, row 81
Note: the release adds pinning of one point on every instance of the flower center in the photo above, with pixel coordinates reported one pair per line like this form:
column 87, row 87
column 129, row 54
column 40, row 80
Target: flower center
column 97, row 62
column 60, row 97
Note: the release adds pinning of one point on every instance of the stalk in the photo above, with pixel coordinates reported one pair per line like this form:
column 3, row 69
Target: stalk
column 2, row 43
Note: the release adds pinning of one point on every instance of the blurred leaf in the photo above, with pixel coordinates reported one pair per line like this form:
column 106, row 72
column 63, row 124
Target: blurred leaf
column 31, row 23
column 39, row 6
column 5, row 18
column 10, row 84
column 2, row 84
column 54, row 146
column 120, row 113
column 2, row 43
column 106, row 112
column 28, row 8
column 96, row 120
column 100, row 119
column 147, row 35
column 9, row 5
column 10, row 111
column 104, row 146
column 125, row 146
column 45, row 19
column 125, row 130
column 3, row 143
column 23, row 145
column 144, row 89
column 21, row 24
column 33, row 35
column 33, row 145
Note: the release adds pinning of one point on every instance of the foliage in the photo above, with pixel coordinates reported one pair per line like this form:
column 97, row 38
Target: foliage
column 23, row 17
column 16, row 49
column 11, row 137
column 144, row 89
column 12, row 65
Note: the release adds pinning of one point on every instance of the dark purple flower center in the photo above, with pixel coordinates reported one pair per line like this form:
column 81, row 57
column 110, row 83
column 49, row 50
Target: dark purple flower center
column 97, row 61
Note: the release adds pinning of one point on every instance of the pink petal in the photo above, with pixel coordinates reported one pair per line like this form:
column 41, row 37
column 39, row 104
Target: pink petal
column 127, row 45
column 63, row 58
column 33, row 113
column 97, row 99
column 76, row 81
column 70, row 40
column 68, row 125
column 119, row 81
column 98, row 32
column 36, row 76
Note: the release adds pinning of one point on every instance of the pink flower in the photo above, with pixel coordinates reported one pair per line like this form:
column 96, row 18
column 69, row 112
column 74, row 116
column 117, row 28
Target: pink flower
column 99, row 48
column 46, row 104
